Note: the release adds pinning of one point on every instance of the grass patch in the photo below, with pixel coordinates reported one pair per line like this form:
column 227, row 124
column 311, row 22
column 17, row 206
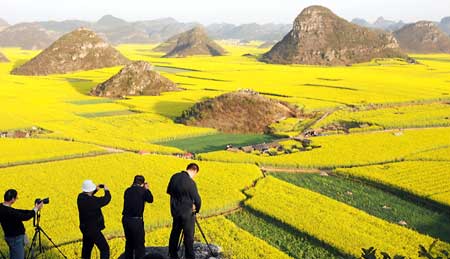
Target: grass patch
column 217, row 142
column 91, row 101
column 173, row 70
column 332, row 86
column 282, row 237
column 204, row 78
column 373, row 201
column 106, row 114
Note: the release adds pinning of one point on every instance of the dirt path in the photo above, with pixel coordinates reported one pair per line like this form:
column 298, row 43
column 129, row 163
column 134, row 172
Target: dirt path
column 56, row 159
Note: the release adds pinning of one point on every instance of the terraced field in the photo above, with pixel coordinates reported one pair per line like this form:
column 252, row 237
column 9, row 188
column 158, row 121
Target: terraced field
column 387, row 183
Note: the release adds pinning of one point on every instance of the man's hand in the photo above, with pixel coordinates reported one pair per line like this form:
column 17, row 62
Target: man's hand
column 194, row 209
column 105, row 187
column 146, row 186
column 38, row 206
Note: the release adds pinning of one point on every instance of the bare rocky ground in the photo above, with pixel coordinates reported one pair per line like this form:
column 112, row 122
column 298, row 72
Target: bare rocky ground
column 201, row 252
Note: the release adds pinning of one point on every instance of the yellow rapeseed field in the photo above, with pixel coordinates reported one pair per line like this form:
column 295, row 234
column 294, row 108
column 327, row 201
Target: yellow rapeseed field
column 426, row 179
column 219, row 184
column 344, row 227
column 349, row 150
column 387, row 94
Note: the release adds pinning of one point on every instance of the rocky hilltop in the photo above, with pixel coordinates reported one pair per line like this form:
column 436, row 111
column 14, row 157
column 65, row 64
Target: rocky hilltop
column 190, row 43
column 319, row 37
column 3, row 58
column 28, row 36
column 79, row 50
column 423, row 37
column 137, row 78
column 244, row 111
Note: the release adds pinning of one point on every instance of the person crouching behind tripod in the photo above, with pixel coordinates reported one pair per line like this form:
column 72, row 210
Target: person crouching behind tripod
column 184, row 203
column 135, row 198
column 11, row 221
column 91, row 219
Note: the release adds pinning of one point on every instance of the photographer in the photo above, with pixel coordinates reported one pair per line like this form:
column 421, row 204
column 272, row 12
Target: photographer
column 135, row 198
column 11, row 221
column 91, row 219
column 184, row 203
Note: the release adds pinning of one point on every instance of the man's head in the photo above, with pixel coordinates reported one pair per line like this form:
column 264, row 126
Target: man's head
column 192, row 169
column 139, row 180
column 88, row 187
column 10, row 196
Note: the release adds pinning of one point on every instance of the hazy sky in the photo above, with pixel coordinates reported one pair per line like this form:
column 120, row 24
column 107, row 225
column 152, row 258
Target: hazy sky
column 210, row 11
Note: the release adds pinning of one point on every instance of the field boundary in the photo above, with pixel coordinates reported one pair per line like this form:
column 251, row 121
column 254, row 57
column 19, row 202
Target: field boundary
column 58, row 158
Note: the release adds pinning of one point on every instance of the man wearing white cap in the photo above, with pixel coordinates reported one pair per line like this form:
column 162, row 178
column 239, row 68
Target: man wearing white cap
column 91, row 219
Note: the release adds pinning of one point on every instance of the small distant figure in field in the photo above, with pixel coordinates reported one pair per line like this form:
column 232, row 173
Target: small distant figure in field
column 185, row 202
column 135, row 198
column 92, row 221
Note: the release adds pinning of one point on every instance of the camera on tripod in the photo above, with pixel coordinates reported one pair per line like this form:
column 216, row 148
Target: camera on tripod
column 45, row 201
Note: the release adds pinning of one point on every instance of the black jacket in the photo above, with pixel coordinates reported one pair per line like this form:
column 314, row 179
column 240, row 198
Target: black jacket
column 134, row 200
column 183, row 193
column 11, row 220
column 90, row 213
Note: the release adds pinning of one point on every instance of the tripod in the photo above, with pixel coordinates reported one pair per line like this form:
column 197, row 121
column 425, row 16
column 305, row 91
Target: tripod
column 36, row 242
column 203, row 235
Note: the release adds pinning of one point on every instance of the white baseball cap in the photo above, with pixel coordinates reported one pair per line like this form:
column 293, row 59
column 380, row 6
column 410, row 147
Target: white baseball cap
column 88, row 186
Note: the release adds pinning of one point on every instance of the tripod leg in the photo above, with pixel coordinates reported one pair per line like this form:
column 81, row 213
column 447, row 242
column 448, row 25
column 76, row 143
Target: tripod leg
column 33, row 243
column 204, row 237
column 53, row 243
column 40, row 242
column 181, row 241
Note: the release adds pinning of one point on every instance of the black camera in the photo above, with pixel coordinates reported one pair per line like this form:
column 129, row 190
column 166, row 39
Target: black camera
column 45, row 201
column 101, row 186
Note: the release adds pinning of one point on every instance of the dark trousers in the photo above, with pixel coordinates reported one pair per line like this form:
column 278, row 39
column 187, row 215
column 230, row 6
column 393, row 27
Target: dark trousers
column 16, row 247
column 91, row 239
column 185, row 223
column 135, row 237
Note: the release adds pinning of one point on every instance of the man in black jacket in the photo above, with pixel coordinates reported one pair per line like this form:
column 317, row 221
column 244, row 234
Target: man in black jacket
column 11, row 221
column 91, row 219
column 135, row 198
column 184, row 203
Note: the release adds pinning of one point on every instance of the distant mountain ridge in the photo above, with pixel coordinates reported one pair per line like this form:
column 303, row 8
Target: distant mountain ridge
column 380, row 23
column 27, row 36
column 119, row 31
column 3, row 24
column 39, row 35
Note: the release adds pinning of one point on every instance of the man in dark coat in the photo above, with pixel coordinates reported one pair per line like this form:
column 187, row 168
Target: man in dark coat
column 11, row 221
column 185, row 202
column 135, row 198
column 91, row 219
